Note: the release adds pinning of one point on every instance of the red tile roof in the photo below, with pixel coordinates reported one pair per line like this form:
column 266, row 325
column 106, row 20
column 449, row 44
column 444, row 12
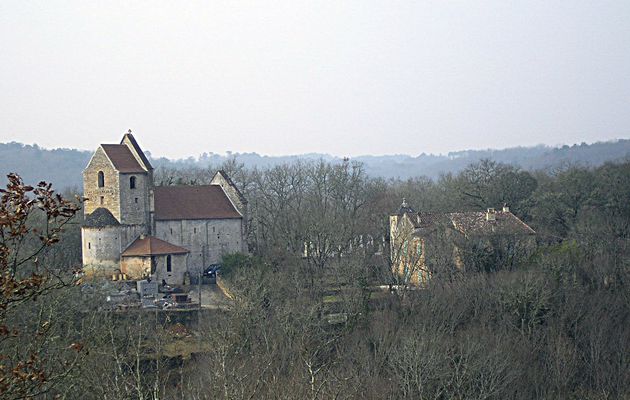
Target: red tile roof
column 121, row 157
column 151, row 246
column 193, row 202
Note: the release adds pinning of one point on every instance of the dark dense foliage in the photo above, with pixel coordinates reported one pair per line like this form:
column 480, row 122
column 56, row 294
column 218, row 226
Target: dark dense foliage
column 555, row 324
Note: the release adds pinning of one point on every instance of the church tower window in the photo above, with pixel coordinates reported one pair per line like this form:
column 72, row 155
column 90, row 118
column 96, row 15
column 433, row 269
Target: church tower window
column 168, row 263
column 132, row 182
column 101, row 179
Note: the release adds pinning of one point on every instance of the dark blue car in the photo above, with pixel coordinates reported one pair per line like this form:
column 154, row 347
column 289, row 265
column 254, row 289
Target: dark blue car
column 210, row 273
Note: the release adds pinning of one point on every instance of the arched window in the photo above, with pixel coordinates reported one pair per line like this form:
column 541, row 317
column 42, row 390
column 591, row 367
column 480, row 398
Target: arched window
column 101, row 179
column 168, row 263
column 132, row 182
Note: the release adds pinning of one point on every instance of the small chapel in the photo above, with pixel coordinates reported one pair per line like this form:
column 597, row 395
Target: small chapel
column 134, row 229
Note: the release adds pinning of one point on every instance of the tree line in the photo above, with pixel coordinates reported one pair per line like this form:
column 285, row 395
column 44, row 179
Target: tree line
column 63, row 166
column 552, row 324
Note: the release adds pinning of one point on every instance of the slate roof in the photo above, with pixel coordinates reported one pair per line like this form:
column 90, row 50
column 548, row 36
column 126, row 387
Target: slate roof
column 122, row 158
column 472, row 223
column 192, row 202
column 151, row 246
column 99, row 218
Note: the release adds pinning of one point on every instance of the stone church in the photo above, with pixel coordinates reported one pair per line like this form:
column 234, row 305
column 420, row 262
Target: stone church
column 135, row 228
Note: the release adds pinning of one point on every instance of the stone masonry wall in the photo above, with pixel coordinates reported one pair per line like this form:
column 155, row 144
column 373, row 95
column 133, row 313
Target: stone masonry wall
column 101, row 249
column 140, row 267
column 134, row 203
column 107, row 196
column 207, row 240
column 135, row 267
column 178, row 269
column 241, row 206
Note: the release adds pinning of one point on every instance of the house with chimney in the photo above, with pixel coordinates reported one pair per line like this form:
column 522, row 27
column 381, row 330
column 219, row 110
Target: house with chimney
column 422, row 243
column 136, row 229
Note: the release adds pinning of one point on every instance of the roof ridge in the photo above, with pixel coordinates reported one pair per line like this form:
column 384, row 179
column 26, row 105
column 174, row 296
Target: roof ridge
column 136, row 147
column 230, row 182
column 151, row 245
column 122, row 158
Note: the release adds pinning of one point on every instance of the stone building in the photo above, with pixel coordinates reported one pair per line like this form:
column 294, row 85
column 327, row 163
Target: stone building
column 135, row 228
column 422, row 244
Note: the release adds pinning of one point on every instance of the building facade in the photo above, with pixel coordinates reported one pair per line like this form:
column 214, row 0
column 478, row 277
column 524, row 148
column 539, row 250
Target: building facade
column 422, row 244
column 135, row 228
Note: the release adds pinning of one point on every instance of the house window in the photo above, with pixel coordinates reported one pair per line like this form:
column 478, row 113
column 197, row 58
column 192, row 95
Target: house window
column 132, row 182
column 101, row 179
column 102, row 200
column 168, row 263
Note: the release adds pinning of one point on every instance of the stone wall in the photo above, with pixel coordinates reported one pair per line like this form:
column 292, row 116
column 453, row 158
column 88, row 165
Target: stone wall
column 231, row 192
column 101, row 249
column 236, row 199
column 134, row 203
column 140, row 268
column 129, row 233
column 107, row 196
column 126, row 141
column 135, row 267
column 178, row 269
column 207, row 240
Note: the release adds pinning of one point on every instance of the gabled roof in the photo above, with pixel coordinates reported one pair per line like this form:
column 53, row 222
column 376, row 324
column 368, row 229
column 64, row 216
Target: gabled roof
column 193, row 202
column 476, row 223
column 426, row 219
column 137, row 149
column 122, row 158
column 231, row 183
column 152, row 246
column 99, row 218
column 471, row 223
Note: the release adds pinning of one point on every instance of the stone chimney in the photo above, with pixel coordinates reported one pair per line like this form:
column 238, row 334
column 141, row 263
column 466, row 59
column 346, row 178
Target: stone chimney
column 491, row 214
column 506, row 208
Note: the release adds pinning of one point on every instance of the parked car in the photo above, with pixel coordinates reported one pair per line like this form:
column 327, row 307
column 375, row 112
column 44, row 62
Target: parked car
column 210, row 273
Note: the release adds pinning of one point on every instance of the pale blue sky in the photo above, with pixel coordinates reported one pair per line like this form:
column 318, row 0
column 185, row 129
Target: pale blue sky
column 286, row 77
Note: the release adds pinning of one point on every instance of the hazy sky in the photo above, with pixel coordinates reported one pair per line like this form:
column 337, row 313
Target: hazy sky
column 339, row 77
